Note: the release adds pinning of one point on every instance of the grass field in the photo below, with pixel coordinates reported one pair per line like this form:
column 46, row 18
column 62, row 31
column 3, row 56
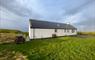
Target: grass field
column 62, row 48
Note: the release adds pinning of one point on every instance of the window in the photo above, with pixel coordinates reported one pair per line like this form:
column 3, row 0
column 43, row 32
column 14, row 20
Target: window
column 55, row 30
column 64, row 30
column 67, row 30
column 73, row 30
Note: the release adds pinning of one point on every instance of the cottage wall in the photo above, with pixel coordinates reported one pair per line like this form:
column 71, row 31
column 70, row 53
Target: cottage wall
column 45, row 33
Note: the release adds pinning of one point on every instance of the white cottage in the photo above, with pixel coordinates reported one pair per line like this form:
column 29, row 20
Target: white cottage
column 45, row 29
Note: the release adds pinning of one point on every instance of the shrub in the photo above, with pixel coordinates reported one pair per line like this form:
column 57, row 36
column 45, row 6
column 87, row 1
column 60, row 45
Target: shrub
column 19, row 39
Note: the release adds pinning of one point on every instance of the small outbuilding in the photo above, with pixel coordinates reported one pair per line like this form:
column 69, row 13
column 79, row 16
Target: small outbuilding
column 45, row 29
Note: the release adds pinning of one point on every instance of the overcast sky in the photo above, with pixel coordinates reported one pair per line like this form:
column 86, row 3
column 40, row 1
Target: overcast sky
column 15, row 14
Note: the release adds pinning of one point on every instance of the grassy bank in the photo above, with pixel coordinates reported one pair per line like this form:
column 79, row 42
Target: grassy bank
column 86, row 33
column 62, row 48
column 7, row 35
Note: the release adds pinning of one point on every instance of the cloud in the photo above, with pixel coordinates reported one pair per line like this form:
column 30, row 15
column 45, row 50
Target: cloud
column 11, row 20
column 16, row 13
column 78, row 8
column 24, row 8
column 85, row 19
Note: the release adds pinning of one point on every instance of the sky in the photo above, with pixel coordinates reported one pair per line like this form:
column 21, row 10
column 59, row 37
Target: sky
column 15, row 14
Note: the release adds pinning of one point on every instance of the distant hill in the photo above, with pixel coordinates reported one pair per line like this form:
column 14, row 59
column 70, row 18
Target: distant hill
column 86, row 33
column 9, row 31
column 13, row 31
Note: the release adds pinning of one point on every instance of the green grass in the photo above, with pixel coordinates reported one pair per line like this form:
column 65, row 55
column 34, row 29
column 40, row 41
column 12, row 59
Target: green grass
column 62, row 48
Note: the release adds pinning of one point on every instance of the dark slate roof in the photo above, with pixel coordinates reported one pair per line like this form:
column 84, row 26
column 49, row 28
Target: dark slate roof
column 49, row 25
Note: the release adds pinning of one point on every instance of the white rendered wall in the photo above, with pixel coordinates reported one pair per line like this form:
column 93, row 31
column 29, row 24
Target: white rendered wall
column 41, row 33
column 45, row 33
column 70, row 32
column 60, row 32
